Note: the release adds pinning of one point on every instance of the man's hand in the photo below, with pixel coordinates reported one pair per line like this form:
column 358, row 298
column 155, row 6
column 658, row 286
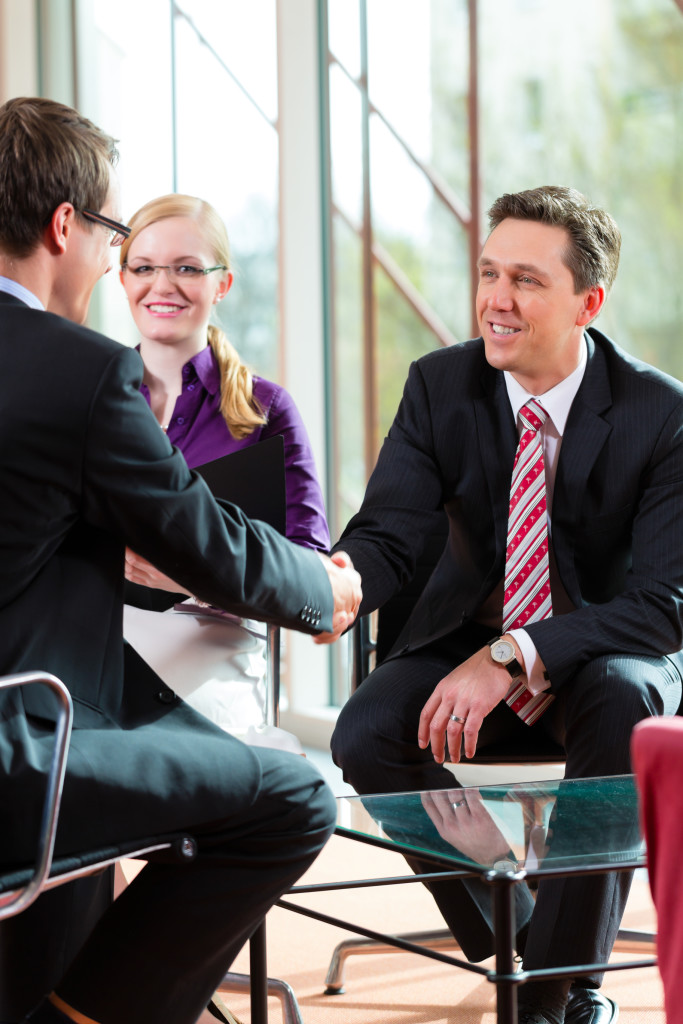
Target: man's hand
column 460, row 818
column 470, row 691
column 139, row 570
column 347, row 593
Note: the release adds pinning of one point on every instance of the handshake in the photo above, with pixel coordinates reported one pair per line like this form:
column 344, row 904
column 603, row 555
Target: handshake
column 344, row 580
column 347, row 593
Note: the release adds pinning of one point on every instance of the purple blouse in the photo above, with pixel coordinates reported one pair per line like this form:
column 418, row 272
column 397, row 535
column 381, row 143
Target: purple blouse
column 198, row 429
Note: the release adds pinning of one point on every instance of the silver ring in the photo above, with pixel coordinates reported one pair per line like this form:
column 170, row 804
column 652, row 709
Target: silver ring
column 458, row 803
column 455, row 718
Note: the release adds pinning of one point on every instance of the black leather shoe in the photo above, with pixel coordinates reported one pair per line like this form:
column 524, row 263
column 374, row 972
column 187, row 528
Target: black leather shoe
column 588, row 1006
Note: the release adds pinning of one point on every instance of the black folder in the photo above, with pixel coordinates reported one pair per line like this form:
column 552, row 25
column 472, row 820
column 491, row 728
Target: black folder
column 254, row 479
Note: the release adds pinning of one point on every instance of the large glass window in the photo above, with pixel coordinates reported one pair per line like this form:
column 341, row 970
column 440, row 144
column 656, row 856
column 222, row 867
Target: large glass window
column 196, row 109
column 226, row 105
column 402, row 201
column 436, row 110
column 600, row 109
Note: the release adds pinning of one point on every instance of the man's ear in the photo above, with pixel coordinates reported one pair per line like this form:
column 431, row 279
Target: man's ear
column 60, row 227
column 593, row 301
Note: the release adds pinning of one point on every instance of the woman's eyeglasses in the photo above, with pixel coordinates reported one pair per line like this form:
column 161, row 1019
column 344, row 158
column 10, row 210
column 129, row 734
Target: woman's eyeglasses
column 175, row 272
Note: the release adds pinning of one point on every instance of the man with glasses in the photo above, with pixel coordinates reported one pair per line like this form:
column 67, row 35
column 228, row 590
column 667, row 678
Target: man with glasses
column 84, row 469
column 118, row 233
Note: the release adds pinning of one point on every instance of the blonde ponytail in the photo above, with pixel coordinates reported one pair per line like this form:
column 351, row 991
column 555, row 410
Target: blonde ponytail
column 240, row 410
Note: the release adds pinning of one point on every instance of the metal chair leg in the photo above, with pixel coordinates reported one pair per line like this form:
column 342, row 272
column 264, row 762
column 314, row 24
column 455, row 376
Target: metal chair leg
column 276, row 987
column 260, row 986
column 627, row 941
column 334, row 982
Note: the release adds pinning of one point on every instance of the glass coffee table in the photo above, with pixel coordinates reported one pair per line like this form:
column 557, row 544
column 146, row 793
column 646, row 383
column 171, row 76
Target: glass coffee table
column 556, row 828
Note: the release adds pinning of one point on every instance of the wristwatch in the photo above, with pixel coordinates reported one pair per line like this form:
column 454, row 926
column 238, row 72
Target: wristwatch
column 503, row 652
column 506, row 864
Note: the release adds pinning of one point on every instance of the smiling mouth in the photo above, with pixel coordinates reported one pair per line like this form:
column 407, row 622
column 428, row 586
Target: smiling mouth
column 500, row 329
column 159, row 307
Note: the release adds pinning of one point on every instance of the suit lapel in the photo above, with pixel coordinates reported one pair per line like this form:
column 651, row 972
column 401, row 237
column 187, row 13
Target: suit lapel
column 585, row 434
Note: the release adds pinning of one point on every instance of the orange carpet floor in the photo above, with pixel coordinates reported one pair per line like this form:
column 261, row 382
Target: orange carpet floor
column 401, row 988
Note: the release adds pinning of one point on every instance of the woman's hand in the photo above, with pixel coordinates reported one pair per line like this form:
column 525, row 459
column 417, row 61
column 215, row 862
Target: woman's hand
column 139, row 570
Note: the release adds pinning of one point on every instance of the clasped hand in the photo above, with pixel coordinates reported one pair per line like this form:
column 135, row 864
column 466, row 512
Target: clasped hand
column 344, row 580
column 346, row 591
column 139, row 570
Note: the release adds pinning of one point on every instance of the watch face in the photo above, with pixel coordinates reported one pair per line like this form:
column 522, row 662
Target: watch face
column 506, row 865
column 502, row 651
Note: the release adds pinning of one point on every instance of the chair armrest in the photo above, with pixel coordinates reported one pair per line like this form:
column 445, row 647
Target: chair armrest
column 363, row 646
column 273, row 676
column 19, row 899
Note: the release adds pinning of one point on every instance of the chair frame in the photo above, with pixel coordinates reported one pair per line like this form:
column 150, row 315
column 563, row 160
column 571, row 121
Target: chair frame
column 20, row 888
column 22, row 897
column 273, row 651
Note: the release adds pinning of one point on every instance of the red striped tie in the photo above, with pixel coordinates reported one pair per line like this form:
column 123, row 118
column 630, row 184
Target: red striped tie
column 527, row 573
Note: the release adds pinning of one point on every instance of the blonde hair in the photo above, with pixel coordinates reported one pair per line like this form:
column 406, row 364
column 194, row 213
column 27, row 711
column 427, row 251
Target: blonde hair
column 240, row 410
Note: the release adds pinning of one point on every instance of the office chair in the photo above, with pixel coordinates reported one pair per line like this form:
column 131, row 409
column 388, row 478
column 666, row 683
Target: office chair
column 232, row 981
column 256, row 983
column 21, row 885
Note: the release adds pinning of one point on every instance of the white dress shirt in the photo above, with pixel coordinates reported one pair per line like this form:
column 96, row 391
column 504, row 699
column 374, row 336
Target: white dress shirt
column 557, row 402
column 19, row 292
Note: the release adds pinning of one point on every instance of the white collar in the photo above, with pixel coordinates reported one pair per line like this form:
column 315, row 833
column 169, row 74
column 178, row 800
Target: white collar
column 19, row 292
column 557, row 402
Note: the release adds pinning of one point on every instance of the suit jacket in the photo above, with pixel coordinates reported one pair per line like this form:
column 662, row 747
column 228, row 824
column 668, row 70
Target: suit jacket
column 617, row 505
column 85, row 470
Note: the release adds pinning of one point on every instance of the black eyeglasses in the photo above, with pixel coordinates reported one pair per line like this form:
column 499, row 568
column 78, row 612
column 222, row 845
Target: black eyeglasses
column 118, row 232
column 175, row 272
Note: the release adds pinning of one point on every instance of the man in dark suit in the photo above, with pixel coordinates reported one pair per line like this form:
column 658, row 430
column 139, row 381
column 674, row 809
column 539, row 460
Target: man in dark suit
column 599, row 632
column 85, row 470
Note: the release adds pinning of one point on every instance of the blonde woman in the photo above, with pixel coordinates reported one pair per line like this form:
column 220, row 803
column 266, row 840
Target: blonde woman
column 175, row 267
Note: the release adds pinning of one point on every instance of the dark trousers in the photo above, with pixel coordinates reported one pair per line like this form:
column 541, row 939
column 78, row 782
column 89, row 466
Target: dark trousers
column 259, row 816
column 35, row 953
column 168, row 939
column 573, row 920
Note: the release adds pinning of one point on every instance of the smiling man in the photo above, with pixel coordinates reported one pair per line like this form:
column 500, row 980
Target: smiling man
column 556, row 607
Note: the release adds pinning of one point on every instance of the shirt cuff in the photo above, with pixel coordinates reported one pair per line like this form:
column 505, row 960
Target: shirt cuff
column 536, row 681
